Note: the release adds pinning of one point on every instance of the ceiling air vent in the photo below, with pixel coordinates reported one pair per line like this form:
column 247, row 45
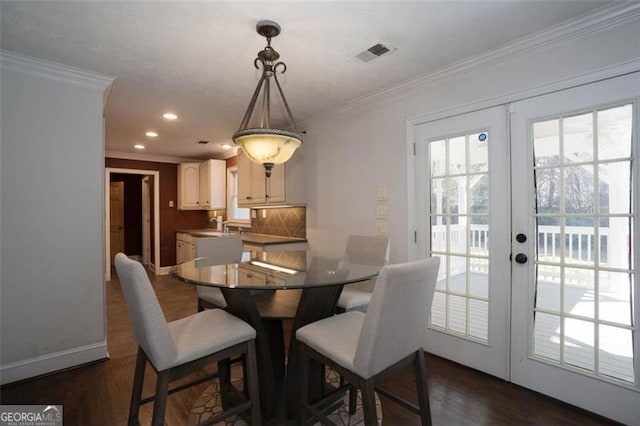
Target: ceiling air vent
column 374, row 52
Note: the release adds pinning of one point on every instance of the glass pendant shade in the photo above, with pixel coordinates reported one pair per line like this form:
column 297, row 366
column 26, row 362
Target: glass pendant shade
column 272, row 148
column 261, row 141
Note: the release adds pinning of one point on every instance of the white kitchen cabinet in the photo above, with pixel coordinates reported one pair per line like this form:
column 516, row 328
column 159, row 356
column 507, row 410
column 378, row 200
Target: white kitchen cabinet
column 189, row 186
column 254, row 189
column 213, row 184
column 185, row 247
column 202, row 186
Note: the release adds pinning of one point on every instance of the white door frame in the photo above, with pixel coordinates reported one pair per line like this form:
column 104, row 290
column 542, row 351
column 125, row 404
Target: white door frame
column 146, row 234
column 156, row 215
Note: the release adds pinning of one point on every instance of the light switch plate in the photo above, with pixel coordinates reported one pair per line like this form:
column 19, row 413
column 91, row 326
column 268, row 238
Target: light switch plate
column 381, row 228
column 382, row 211
column 381, row 193
column 171, row 203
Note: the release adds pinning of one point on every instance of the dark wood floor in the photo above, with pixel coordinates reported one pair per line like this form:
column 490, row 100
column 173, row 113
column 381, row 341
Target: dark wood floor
column 98, row 394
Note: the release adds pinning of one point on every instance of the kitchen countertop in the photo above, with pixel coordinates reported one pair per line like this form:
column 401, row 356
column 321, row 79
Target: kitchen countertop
column 270, row 239
column 247, row 237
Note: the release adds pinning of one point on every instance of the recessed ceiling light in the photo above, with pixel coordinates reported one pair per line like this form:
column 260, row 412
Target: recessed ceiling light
column 169, row 116
column 225, row 146
column 138, row 146
column 151, row 134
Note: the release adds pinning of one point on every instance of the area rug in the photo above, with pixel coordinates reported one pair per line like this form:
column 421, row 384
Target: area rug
column 208, row 405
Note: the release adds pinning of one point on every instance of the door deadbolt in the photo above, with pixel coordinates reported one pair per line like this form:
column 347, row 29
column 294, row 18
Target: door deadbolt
column 521, row 258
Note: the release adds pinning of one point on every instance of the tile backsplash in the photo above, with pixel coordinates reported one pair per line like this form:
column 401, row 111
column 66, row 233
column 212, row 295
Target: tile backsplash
column 282, row 221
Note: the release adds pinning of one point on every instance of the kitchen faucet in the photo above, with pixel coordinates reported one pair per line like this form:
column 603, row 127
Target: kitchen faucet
column 223, row 223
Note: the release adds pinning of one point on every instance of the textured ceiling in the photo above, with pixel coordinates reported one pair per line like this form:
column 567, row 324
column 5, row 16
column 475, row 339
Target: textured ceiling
column 196, row 58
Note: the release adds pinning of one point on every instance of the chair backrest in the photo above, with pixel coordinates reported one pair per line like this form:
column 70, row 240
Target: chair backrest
column 225, row 248
column 396, row 320
column 147, row 319
column 367, row 250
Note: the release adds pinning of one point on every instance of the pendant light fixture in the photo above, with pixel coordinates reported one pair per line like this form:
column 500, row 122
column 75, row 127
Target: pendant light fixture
column 268, row 137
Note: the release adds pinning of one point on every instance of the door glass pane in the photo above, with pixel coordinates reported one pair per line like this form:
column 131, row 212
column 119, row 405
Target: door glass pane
column 548, row 294
column 546, row 142
column 457, row 156
column 615, row 357
column 478, row 312
column 479, row 152
column 546, row 336
column 437, row 155
column 438, row 191
column 578, row 343
column 614, row 297
column 458, row 314
column 439, row 310
column 548, row 190
column 577, row 132
column 460, row 233
column 614, row 132
column 579, row 293
column 583, row 288
column 615, row 187
column 578, row 189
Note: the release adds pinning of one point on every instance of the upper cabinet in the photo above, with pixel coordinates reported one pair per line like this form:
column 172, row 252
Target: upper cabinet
column 202, row 186
column 254, row 189
column 213, row 175
column 189, row 186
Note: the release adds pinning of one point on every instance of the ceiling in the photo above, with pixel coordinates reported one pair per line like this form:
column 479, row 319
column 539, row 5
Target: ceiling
column 195, row 58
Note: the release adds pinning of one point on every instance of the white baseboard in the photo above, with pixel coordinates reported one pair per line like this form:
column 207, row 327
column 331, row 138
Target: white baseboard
column 164, row 270
column 48, row 363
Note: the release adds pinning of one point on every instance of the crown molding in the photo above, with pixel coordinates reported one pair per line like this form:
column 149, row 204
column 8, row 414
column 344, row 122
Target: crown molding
column 150, row 157
column 53, row 71
column 605, row 18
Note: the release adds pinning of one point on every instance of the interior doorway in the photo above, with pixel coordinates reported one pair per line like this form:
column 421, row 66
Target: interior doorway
column 150, row 194
column 116, row 215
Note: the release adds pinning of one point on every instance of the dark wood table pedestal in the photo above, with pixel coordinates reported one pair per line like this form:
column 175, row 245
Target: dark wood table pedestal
column 279, row 392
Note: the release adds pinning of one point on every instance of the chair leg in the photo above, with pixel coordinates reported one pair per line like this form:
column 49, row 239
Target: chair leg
column 303, row 368
column 251, row 382
column 160, row 401
column 136, row 391
column 224, row 376
column 369, row 403
column 423, row 389
column 353, row 399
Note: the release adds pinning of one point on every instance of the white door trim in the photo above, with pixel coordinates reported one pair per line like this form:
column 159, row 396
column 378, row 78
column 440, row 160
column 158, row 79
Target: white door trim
column 156, row 215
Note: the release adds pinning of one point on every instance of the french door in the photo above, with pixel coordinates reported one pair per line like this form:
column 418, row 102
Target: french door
column 533, row 208
column 462, row 183
column 574, row 296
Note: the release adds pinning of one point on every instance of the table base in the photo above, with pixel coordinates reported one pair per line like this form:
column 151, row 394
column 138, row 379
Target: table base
column 209, row 404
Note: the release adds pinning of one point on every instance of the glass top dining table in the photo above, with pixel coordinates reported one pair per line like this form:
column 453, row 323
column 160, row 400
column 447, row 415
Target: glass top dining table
column 276, row 270
column 315, row 278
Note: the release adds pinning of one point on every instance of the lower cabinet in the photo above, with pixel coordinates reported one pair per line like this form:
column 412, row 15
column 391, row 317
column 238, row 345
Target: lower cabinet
column 185, row 247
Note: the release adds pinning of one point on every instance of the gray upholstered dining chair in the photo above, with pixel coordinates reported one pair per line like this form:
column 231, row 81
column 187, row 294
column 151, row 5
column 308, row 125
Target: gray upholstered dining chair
column 225, row 249
column 365, row 347
column 366, row 250
column 178, row 348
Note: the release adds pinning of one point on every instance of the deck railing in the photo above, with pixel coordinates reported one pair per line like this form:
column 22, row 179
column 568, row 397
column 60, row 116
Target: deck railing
column 578, row 243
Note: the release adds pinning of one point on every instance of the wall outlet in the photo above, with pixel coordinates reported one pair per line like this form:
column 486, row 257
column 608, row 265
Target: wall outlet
column 264, row 213
column 254, row 215
column 171, row 203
